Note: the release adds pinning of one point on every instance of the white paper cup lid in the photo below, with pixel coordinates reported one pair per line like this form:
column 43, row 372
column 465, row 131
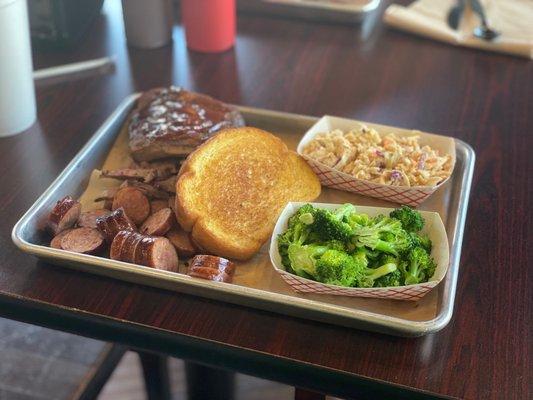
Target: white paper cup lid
column 4, row 3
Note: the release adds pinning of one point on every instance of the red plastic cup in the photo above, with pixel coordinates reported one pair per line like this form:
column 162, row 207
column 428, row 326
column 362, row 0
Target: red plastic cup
column 209, row 24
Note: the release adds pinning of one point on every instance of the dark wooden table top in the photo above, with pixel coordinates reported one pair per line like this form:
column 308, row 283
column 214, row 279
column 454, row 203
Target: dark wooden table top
column 370, row 73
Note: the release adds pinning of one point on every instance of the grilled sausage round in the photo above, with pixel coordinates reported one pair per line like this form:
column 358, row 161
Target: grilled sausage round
column 156, row 205
column 87, row 219
column 83, row 240
column 114, row 222
column 150, row 251
column 129, row 246
column 116, row 246
column 142, row 255
column 182, row 242
column 162, row 255
column 64, row 215
column 209, row 274
column 212, row 268
column 56, row 241
column 159, row 223
column 134, row 202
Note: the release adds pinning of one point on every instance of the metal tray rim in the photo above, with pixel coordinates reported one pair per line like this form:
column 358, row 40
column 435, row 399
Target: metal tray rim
column 210, row 289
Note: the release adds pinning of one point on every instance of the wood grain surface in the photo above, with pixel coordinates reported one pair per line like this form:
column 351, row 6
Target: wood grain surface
column 370, row 73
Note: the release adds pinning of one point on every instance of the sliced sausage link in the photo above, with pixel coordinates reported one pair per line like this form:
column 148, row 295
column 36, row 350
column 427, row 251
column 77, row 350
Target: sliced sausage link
column 162, row 255
column 210, row 274
column 214, row 262
column 113, row 223
column 150, row 251
column 117, row 244
column 83, row 240
column 56, row 241
column 134, row 202
column 159, row 223
column 156, row 205
column 129, row 247
column 142, row 253
column 87, row 219
column 64, row 215
column 123, row 222
column 211, row 267
column 103, row 225
column 182, row 242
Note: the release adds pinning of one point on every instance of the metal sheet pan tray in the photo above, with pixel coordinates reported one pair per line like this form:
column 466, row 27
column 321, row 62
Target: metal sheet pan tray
column 259, row 286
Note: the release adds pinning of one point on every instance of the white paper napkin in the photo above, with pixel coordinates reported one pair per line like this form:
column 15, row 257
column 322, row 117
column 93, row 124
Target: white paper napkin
column 512, row 18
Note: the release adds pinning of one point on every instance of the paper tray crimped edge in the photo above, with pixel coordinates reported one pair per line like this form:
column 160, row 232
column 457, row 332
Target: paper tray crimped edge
column 336, row 179
column 433, row 227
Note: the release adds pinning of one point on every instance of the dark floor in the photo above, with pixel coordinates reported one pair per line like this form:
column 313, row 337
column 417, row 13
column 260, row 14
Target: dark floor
column 126, row 384
column 39, row 363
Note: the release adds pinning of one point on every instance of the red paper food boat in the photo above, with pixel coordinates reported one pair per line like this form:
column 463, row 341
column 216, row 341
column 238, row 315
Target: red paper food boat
column 409, row 195
column 433, row 227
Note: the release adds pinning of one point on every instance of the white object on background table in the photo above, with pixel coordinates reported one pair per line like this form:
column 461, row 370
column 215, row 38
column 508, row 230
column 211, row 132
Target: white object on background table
column 513, row 18
column 78, row 70
column 337, row 12
column 17, row 91
column 148, row 24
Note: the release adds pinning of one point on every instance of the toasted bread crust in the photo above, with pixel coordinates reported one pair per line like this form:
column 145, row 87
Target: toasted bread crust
column 231, row 189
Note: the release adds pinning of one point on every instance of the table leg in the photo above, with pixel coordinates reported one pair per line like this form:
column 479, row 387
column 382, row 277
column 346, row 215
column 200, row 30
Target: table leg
column 209, row 383
column 156, row 378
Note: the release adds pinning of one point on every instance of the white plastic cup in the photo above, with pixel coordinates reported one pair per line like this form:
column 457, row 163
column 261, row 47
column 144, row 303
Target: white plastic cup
column 148, row 23
column 17, row 91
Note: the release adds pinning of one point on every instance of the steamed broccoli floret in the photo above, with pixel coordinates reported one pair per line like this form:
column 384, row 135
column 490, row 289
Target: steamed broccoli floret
column 341, row 247
column 283, row 248
column 344, row 211
column 368, row 276
column 338, row 268
column 358, row 220
column 418, row 266
column 373, row 274
column 329, row 225
column 392, row 279
column 298, row 245
column 303, row 258
column 382, row 258
column 410, row 219
column 334, row 245
column 372, row 255
column 421, row 241
column 385, row 234
column 307, row 210
column 297, row 232
column 361, row 256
